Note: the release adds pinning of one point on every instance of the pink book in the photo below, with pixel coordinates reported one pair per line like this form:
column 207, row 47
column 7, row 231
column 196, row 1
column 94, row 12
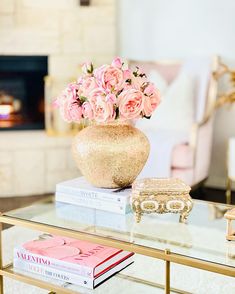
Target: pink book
column 76, row 256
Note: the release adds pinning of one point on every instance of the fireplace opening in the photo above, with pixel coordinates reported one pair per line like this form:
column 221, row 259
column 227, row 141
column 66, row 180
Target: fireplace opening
column 22, row 92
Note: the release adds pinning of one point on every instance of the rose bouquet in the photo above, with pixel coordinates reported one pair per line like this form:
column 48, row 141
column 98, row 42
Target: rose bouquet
column 108, row 93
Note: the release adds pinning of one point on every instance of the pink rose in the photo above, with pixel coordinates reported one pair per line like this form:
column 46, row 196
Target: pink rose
column 103, row 110
column 137, row 82
column 130, row 104
column 69, row 103
column 70, row 111
column 72, row 89
column 127, row 86
column 99, row 72
column 88, row 84
column 126, row 74
column 87, row 110
column 151, row 102
column 70, row 93
column 101, row 93
column 117, row 62
column 75, row 112
column 109, row 78
column 149, row 89
column 139, row 71
column 111, row 98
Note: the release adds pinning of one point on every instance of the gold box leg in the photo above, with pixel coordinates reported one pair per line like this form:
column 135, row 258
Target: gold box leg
column 1, row 259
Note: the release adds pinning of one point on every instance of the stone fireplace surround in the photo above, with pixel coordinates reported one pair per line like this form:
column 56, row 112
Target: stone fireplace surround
column 31, row 162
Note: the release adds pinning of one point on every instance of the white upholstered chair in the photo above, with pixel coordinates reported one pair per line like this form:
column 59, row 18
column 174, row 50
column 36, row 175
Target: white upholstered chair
column 189, row 157
column 230, row 169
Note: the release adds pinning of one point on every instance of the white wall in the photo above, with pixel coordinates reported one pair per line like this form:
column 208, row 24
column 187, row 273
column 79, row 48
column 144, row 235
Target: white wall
column 153, row 29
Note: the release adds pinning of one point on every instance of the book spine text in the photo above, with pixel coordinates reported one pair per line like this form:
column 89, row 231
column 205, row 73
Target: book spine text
column 22, row 255
column 85, row 194
column 48, row 272
column 92, row 203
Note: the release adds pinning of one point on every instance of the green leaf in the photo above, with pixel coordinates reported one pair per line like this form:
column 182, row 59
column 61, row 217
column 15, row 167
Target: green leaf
column 91, row 70
column 83, row 99
column 135, row 73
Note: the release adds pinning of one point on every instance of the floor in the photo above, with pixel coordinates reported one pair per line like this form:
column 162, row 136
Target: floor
column 7, row 204
column 214, row 195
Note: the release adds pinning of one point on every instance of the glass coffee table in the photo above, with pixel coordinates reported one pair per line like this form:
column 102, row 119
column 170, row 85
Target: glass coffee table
column 201, row 243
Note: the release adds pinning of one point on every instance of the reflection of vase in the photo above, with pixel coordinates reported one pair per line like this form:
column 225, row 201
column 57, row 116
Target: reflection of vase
column 110, row 155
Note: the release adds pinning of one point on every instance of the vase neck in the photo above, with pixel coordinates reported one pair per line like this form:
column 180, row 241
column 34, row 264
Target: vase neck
column 116, row 122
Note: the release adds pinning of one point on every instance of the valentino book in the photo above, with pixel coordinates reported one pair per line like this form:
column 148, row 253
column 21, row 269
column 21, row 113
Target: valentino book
column 71, row 260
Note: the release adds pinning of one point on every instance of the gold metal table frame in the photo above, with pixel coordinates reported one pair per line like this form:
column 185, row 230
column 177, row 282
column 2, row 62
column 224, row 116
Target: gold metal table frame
column 165, row 255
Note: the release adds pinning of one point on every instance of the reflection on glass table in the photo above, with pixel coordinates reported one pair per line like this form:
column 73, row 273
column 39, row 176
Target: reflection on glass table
column 203, row 237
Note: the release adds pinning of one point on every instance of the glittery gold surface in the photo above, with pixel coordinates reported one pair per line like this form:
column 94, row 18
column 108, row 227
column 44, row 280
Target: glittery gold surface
column 165, row 186
column 153, row 195
column 110, row 156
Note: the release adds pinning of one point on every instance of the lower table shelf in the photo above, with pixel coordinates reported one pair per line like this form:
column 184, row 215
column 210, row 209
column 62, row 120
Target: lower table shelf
column 120, row 283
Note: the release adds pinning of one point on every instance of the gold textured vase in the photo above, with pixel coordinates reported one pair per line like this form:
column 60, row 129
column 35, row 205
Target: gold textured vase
column 110, row 155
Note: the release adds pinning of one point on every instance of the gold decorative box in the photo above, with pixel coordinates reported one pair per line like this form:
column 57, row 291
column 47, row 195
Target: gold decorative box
column 161, row 196
column 230, row 216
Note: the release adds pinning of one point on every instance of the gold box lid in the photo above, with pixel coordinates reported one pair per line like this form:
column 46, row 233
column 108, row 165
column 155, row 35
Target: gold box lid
column 160, row 185
column 230, row 214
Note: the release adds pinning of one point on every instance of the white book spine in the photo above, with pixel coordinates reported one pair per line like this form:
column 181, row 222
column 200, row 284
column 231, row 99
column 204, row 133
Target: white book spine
column 52, row 273
column 21, row 254
column 93, row 203
column 83, row 193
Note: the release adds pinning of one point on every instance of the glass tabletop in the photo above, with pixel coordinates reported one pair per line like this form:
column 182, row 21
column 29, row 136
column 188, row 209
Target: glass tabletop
column 203, row 237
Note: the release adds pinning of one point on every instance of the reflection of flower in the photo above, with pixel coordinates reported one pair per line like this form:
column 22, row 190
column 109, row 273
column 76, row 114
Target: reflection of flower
column 107, row 93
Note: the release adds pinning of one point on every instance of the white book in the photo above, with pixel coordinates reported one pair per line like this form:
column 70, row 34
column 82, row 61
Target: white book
column 22, row 254
column 81, row 188
column 92, row 216
column 68, row 277
column 74, row 199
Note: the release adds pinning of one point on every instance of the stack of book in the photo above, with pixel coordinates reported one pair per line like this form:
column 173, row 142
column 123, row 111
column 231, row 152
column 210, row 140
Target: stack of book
column 70, row 260
column 79, row 192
